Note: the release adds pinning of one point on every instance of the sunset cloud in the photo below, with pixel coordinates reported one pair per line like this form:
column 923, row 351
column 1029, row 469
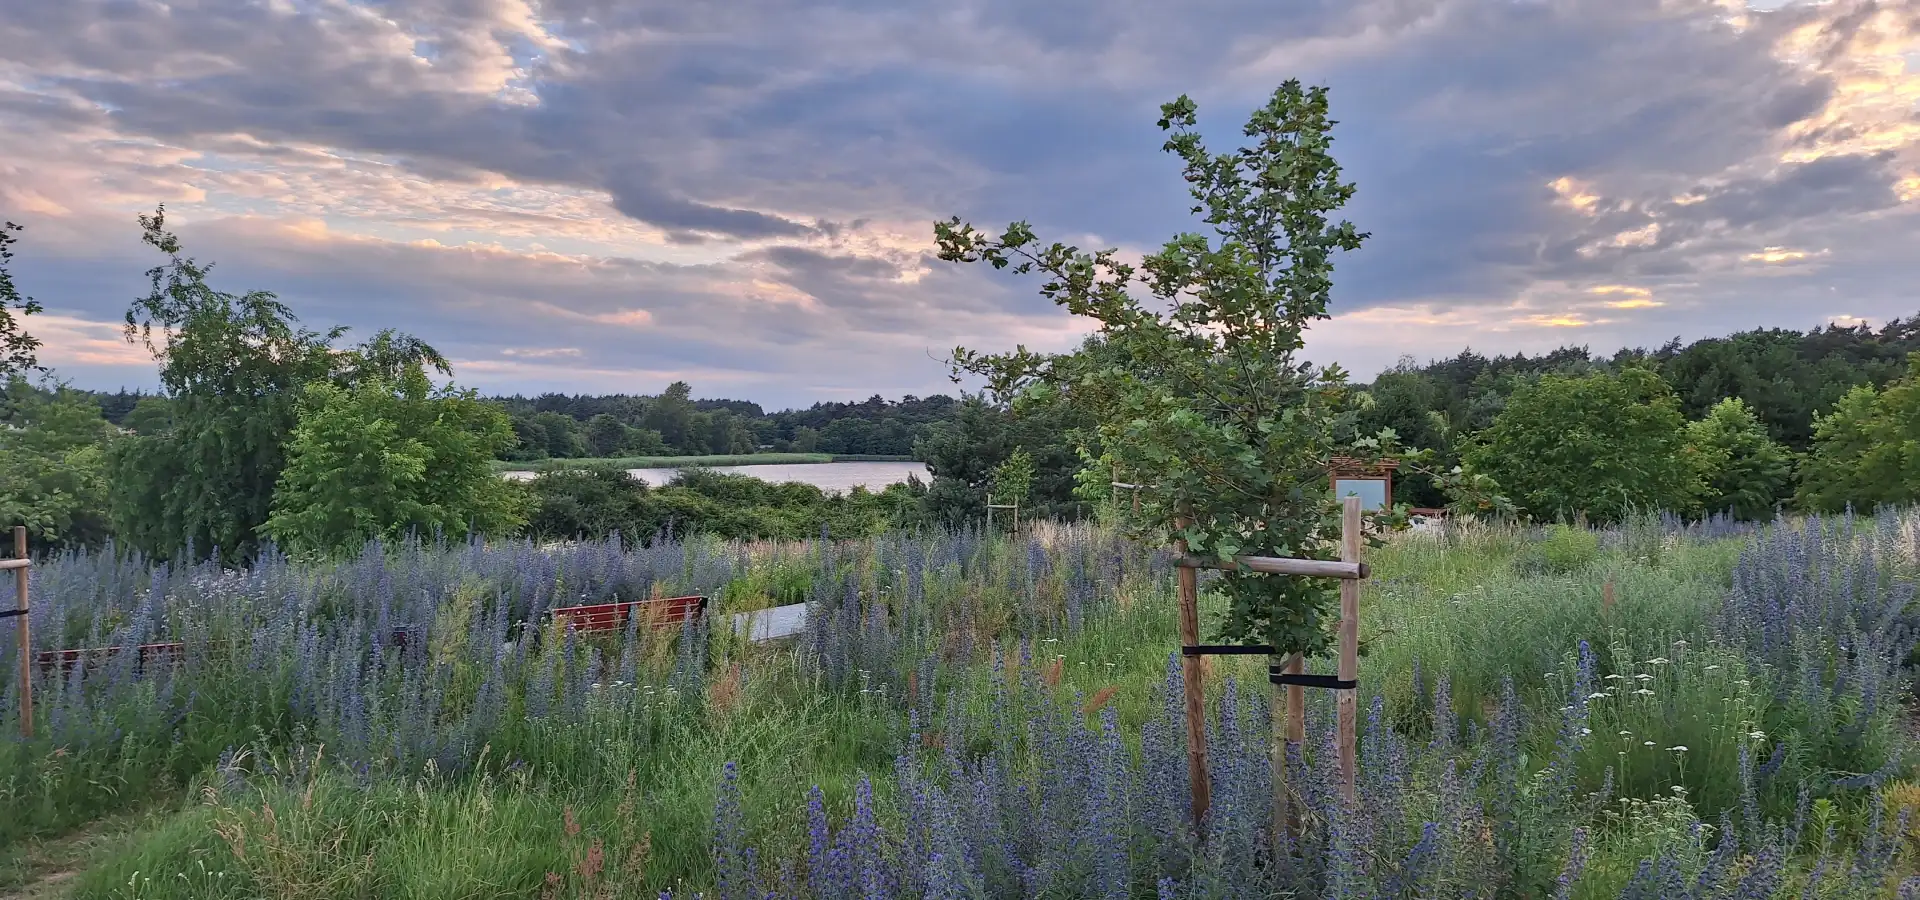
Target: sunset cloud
column 600, row 195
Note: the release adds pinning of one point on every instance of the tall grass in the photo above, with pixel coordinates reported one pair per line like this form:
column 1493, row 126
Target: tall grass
column 979, row 716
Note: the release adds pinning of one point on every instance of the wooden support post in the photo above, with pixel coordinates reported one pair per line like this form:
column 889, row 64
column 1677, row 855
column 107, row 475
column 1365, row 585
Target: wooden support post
column 24, row 630
column 1350, row 537
column 1192, row 675
column 989, row 513
column 1296, row 725
column 1282, row 804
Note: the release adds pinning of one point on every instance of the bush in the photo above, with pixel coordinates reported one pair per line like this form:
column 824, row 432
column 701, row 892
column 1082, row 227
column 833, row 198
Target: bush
column 1596, row 446
column 592, row 502
column 1564, row 550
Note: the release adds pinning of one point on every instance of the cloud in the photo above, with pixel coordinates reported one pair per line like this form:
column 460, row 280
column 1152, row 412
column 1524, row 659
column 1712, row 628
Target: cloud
column 589, row 194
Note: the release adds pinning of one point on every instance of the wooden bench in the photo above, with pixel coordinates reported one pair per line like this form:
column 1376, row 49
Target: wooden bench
column 670, row 612
column 64, row 661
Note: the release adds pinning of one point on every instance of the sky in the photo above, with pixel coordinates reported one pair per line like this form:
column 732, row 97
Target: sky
column 606, row 196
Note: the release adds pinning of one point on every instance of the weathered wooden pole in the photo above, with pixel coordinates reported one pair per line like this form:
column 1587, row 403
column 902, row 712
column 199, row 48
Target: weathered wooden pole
column 989, row 513
column 1282, row 805
column 1350, row 536
column 23, row 629
column 1195, row 684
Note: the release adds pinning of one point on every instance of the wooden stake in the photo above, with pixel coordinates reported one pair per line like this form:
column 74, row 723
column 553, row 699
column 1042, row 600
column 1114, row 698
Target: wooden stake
column 1296, row 723
column 1350, row 536
column 989, row 513
column 1195, row 689
column 25, row 633
column 1282, row 812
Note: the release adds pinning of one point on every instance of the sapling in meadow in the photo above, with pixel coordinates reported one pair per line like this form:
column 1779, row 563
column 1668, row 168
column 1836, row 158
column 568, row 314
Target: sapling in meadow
column 1200, row 389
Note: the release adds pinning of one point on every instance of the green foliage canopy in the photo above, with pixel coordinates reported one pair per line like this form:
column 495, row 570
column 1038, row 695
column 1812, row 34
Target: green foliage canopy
column 17, row 347
column 235, row 367
column 1746, row 472
column 1598, row 446
column 52, row 468
column 1866, row 451
column 385, row 457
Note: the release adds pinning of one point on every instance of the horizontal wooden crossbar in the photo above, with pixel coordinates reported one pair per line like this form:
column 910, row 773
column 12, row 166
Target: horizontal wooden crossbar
column 6, row 564
column 1280, row 565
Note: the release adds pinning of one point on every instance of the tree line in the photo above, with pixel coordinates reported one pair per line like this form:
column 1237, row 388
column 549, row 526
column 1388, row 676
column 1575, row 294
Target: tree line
column 671, row 423
column 268, row 431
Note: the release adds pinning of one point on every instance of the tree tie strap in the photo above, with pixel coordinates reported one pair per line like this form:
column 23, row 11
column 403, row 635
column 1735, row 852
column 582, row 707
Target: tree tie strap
column 1331, row 682
column 11, row 613
column 1225, row 650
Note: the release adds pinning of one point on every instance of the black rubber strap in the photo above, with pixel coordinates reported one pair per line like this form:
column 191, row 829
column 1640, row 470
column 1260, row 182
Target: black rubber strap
column 11, row 613
column 1225, row 650
column 1331, row 682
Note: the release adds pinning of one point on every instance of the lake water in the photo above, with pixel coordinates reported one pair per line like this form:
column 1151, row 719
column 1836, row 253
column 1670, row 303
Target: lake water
column 831, row 477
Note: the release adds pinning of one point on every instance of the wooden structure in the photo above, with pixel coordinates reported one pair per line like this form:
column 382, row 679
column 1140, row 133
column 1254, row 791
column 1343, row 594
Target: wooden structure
column 670, row 612
column 1118, row 486
column 23, row 628
column 1289, row 673
column 1372, row 482
column 149, row 655
column 991, row 506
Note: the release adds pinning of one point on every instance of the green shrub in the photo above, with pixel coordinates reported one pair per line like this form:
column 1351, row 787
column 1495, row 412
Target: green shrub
column 1564, row 550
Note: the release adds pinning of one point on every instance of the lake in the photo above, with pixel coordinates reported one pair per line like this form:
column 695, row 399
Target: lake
column 831, row 477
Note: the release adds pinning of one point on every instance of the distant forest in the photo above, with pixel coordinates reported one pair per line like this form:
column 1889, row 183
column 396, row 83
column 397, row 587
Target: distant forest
column 674, row 423
column 1786, row 377
column 1749, row 423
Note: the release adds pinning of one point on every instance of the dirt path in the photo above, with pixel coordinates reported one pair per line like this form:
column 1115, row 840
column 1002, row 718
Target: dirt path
column 41, row 870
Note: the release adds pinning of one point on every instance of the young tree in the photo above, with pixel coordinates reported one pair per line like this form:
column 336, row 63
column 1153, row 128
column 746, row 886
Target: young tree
column 52, row 475
column 1204, row 397
column 1013, row 479
column 1866, row 451
column 671, row 414
column 150, row 415
column 385, row 457
column 234, row 367
column 17, row 348
column 559, row 435
column 806, row 440
column 1746, row 472
column 1597, row 445
column 606, row 435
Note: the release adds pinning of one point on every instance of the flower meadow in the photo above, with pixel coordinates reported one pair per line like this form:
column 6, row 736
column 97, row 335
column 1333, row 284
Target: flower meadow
column 1670, row 710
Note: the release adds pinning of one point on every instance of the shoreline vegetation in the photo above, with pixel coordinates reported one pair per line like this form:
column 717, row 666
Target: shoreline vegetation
column 688, row 462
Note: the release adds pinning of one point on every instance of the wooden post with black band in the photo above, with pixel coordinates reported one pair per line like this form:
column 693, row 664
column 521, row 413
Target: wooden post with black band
column 1290, row 672
column 20, row 563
